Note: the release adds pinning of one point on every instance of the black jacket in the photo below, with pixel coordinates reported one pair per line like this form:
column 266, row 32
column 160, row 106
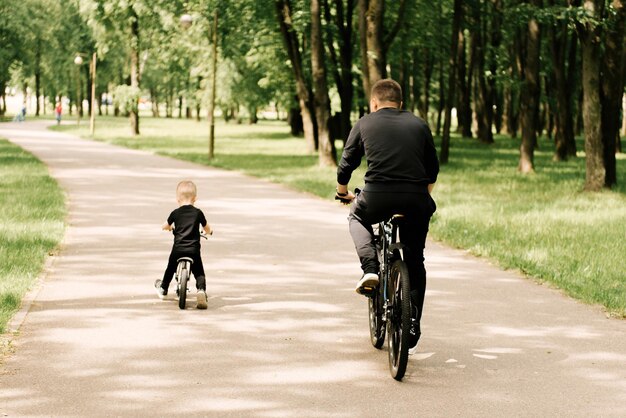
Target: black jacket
column 399, row 149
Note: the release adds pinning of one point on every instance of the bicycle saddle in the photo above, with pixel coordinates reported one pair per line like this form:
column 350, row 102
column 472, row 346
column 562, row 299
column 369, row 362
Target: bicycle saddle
column 185, row 259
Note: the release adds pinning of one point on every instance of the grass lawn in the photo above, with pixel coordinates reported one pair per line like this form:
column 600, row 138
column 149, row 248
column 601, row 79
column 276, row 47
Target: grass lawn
column 32, row 215
column 541, row 224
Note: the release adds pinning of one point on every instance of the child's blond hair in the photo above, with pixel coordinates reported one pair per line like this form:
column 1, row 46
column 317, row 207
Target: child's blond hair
column 186, row 190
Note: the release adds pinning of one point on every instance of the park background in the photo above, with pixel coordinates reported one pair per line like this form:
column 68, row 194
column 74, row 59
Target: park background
column 525, row 99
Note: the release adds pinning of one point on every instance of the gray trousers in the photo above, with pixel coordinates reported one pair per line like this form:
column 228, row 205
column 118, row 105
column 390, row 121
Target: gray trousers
column 373, row 207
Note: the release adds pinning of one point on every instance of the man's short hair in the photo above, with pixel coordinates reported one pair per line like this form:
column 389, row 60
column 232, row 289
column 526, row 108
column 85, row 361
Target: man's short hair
column 186, row 190
column 387, row 90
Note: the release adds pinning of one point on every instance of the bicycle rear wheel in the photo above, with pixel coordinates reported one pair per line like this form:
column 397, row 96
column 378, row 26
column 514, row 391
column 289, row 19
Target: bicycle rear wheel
column 377, row 329
column 182, row 285
column 399, row 322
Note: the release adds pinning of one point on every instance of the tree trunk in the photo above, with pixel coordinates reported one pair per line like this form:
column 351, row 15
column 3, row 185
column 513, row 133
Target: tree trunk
column 155, row 103
column 290, row 38
column 445, row 139
column 370, row 30
column 483, row 102
column 495, row 41
column 592, row 107
column 424, row 103
column 464, row 108
column 365, row 71
column 442, row 96
column 415, row 81
column 134, row 69
column 326, row 152
column 342, row 62
column 572, row 82
column 612, row 87
column 564, row 131
column 529, row 101
column 374, row 43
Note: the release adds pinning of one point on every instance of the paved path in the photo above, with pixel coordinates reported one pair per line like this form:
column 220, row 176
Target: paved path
column 285, row 334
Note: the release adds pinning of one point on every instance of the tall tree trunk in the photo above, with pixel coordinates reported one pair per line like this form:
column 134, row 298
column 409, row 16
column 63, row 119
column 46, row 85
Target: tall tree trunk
column 134, row 69
column 442, row 95
column 429, row 65
column 612, row 87
column 495, row 42
column 342, row 61
column 572, row 81
column 559, row 41
column 445, row 139
column 155, row 103
column 464, row 108
column 87, row 69
column 372, row 55
column 529, row 101
column 290, row 38
column 326, row 152
column 484, row 105
column 374, row 42
column 415, row 80
column 589, row 34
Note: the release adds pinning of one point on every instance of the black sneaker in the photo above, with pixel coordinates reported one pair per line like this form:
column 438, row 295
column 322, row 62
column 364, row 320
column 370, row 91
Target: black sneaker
column 414, row 332
column 160, row 291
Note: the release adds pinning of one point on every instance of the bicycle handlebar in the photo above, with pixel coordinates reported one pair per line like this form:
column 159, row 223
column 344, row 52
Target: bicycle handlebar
column 348, row 201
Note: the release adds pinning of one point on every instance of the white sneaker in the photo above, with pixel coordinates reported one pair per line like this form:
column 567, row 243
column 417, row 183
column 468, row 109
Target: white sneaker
column 201, row 299
column 367, row 284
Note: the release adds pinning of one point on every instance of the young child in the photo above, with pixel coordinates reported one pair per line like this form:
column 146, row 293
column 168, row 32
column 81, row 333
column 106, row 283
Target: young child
column 186, row 221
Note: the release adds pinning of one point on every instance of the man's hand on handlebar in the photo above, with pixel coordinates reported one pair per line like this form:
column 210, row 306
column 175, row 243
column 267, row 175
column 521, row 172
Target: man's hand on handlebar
column 345, row 198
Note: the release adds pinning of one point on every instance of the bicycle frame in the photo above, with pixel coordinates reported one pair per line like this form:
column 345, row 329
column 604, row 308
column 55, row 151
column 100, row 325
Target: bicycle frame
column 390, row 249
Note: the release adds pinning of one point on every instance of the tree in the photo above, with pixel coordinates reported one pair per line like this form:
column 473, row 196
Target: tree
column 343, row 35
column 327, row 157
column 529, row 100
column 563, row 55
column 452, row 70
column 292, row 45
column 589, row 31
column 613, row 67
column 375, row 41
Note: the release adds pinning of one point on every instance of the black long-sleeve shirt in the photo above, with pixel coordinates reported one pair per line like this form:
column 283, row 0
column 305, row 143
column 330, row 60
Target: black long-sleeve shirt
column 399, row 150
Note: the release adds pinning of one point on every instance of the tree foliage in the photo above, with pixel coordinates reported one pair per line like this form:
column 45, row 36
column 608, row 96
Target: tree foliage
column 480, row 70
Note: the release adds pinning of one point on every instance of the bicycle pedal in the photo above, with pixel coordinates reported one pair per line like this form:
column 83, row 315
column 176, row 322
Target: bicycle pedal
column 367, row 291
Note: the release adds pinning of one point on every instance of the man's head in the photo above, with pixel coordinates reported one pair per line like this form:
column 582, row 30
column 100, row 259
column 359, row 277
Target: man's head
column 385, row 93
column 186, row 192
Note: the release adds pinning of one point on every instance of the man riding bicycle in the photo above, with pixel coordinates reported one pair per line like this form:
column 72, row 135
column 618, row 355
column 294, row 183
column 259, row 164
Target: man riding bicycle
column 402, row 167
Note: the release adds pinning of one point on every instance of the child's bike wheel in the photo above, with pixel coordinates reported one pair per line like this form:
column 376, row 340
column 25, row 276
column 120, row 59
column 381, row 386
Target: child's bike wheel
column 182, row 291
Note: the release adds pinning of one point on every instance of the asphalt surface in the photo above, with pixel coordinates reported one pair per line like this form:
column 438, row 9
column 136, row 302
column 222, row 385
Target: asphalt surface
column 285, row 334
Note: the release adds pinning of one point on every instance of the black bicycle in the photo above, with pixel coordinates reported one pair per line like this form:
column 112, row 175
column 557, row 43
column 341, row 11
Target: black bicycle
column 390, row 303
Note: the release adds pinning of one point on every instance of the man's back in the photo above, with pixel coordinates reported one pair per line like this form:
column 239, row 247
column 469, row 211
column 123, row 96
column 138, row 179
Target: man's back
column 398, row 147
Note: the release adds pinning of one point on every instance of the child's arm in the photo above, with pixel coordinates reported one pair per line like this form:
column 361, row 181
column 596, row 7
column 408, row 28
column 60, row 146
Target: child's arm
column 166, row 227
column 207, row 229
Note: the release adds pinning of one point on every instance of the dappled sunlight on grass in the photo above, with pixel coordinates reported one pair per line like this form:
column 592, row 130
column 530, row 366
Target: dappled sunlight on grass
column 542, row 224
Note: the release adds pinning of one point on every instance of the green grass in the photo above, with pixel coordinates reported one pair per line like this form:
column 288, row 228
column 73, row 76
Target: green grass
column 541, row 224
column 32, row 214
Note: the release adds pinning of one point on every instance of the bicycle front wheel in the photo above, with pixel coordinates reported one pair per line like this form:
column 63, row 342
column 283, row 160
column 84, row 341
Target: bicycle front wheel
column 377, row 329
column 182, row 292
column 399, row 322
